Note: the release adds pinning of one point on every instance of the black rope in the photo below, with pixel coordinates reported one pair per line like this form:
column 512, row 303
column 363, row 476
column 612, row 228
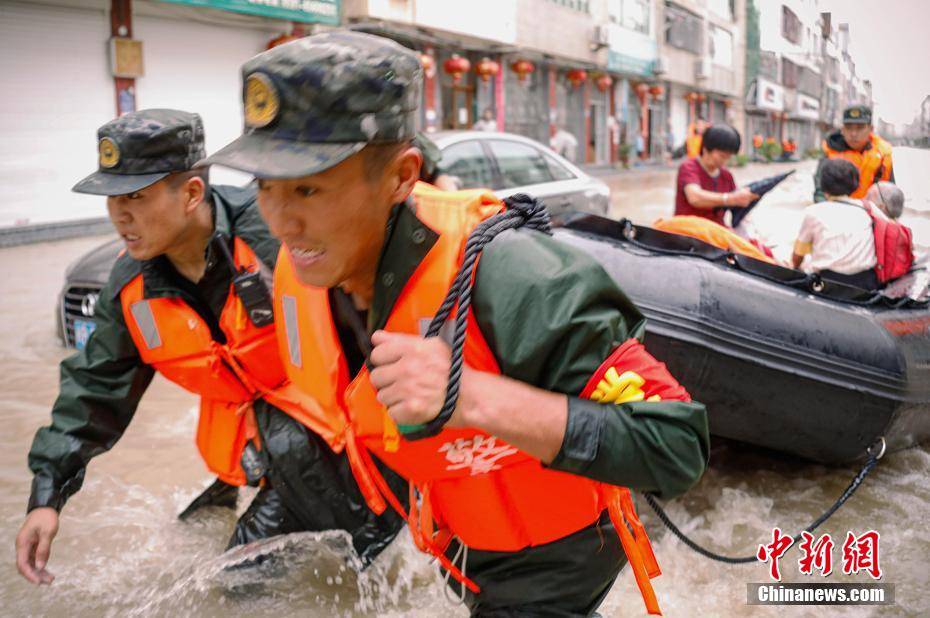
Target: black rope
column 522, row 211
column 850, row 490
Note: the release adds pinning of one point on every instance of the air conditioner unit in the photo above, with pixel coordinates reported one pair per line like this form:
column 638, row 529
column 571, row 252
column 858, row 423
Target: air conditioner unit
column 702, row 68
column 601, row 35
column 660, row 66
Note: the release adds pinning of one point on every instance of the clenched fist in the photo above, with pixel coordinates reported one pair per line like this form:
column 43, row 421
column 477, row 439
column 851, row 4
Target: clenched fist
column 411, row 374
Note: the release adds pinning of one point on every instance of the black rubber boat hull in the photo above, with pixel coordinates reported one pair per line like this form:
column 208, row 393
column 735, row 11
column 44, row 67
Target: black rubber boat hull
column 777, row 366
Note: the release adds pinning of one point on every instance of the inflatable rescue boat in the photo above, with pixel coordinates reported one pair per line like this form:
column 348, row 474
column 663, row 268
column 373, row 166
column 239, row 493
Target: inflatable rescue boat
column 783, row 360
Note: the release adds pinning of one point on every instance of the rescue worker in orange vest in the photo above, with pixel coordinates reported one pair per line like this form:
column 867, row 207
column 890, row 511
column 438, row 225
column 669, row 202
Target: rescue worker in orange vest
column 693, row 142
column 757, row 142
column 173, row 306
column 788, row 148
column 857, row 143
column 516, row 488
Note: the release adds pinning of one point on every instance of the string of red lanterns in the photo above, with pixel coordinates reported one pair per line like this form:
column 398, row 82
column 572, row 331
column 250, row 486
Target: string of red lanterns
column 456, row 66
column 603, row 82
column 486, row 69
column 577, row 77
column 523, row 68
column 429, row 64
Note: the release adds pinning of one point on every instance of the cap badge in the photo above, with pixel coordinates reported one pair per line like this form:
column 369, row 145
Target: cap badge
column 109, row 153
column 261, row 101
column 854, row 113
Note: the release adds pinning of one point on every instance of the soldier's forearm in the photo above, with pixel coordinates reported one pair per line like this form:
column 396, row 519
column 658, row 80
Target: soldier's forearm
column 529, row 418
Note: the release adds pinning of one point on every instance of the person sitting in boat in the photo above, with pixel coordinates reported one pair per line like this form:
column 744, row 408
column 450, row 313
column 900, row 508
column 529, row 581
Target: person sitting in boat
column 887, row 197
column 837, row 233
column 704, row 185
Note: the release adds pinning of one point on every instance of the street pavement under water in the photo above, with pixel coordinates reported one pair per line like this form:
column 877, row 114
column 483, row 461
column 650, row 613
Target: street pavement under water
column 122, row 552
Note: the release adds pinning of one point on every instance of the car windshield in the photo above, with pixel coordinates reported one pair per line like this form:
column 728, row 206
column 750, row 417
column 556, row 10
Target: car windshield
column 520, row 164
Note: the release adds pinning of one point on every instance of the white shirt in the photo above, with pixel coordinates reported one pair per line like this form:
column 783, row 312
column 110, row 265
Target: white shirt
column 485, row 125
column 838, row 236
column 564, row 143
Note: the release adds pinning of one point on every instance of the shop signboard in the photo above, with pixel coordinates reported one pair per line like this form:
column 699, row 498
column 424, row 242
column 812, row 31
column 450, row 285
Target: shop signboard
column 308, row 11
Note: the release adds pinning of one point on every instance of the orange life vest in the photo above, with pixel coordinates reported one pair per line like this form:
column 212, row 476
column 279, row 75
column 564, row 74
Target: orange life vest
column 712, row 233
column 693, row 145
column 874, row 163
column 757, row 141
column 176, row 341
column 472, row 485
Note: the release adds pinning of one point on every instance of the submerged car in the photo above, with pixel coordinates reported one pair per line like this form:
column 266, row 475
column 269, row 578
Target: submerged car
column 503, row 162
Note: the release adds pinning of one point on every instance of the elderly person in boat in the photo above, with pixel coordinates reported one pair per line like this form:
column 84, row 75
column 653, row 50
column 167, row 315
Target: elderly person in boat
column 888, row 197
column 837, row 234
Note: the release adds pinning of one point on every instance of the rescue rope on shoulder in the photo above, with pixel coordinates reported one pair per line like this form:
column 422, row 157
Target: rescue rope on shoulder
column 874, row 452
column 522, row 211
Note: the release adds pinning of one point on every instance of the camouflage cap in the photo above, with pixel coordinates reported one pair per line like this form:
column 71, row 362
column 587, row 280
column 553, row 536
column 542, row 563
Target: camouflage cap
column 857, row 114
column 140, row 148
column 314, row 102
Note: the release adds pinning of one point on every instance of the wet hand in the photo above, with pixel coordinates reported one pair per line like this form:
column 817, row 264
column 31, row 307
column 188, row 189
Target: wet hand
column 34, row 543
column 410, row 375
column 742, row 197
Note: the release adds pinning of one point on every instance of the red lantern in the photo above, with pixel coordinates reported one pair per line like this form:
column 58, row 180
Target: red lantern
column 656, row 91
column 603, row 83
column 523, row 68
column 281, row 39
column 577, row 77
column 456, row 66
column 429, row 64
column 642, row 90
column 701, row 98
column 727, row 103
column 486, row 69
column 691, row 97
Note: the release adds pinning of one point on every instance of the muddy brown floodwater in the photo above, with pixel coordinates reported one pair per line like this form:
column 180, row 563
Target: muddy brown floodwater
column 122, row 552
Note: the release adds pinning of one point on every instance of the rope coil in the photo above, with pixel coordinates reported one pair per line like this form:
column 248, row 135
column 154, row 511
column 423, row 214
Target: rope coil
column 522, row 211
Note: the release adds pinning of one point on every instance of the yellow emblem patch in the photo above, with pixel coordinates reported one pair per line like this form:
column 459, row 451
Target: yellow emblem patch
column 854, row 113
column 261, row 101
column 621, row 388
column 109, row 153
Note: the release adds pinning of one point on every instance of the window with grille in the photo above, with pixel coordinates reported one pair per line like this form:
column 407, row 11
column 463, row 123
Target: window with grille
column 789, row 73
column 579, row 5
column 682, row 28
column 790, row 25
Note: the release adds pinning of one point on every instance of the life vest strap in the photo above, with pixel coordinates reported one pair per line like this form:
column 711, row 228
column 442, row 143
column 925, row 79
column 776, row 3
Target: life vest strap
column 635, row 544
column 427, row 543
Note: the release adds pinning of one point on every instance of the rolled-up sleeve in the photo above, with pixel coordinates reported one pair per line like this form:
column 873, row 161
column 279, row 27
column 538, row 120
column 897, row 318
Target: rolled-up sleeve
column 552, row 316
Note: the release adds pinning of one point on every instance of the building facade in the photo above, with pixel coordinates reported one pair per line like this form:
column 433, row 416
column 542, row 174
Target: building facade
column 181, row 56
column 702, row 63
column 799, row 72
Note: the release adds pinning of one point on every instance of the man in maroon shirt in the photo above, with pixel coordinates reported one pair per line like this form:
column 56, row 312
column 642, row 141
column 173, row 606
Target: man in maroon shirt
column 704, row 186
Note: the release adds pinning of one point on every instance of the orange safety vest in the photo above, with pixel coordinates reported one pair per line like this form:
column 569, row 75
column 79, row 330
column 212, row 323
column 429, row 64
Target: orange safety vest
column 472, row 485
column 693, row 145
column 176, row 341
column 757, row 141
column 874, row 163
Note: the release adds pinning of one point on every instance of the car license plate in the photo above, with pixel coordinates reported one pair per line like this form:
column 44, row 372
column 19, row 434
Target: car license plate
column 82, row 331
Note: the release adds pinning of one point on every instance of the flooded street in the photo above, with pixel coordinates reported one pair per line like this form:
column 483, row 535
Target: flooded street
column 122, row 552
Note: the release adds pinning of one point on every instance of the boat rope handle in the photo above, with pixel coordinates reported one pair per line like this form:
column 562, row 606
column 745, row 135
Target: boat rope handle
column 874, row 453
column 522, row 211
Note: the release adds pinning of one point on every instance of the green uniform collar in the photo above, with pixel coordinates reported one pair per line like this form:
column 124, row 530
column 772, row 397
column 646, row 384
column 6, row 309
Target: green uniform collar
column 407, row 240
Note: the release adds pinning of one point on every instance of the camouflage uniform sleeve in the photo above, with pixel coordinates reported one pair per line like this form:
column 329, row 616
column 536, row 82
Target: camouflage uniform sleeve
column 100, row 390
column 552, row 316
